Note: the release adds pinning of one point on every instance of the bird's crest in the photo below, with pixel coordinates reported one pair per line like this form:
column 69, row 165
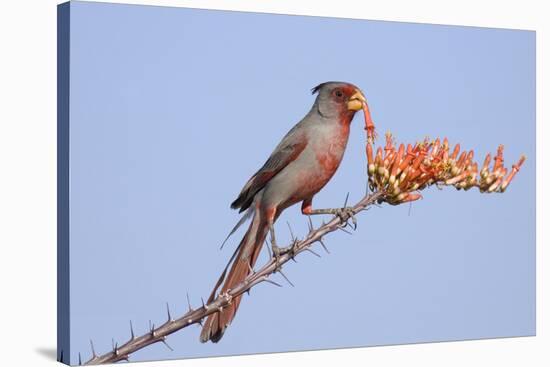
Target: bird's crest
column 316, row 88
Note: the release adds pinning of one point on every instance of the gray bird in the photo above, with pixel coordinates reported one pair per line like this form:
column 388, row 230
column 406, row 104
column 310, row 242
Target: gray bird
column 299, row 167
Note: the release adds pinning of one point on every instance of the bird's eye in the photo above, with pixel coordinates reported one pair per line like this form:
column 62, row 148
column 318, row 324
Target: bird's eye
column 338, row 93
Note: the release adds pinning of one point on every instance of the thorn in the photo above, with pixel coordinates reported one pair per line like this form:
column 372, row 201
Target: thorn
column 189, row 303
column 293, row 259
column 60, row 359
column 323, row 244
column 168, row 312
column 286, row 278
column 93, row 349
column 313, row 252
column 167, row 346
column 115, row 349
column 203, row 305
column 113, row 343
column 268, row 249
column 79, row 359
column 290, row 229
column 272, row 282
column 344, row 230
column 132, row 331
column 310, row 223
column 346, row 201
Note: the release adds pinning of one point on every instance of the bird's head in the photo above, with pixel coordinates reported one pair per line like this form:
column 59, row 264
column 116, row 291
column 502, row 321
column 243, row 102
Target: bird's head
column 339, row 100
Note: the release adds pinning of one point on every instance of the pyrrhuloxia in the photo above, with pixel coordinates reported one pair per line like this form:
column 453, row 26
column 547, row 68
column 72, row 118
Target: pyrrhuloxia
column 300, row 166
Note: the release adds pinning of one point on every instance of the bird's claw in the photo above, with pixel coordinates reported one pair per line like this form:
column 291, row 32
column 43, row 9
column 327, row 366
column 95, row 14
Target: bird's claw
column 345, row 214
column 279, row 251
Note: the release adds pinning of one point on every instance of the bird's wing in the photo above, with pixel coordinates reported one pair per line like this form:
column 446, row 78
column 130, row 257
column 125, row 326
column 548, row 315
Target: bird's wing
column 287, row 151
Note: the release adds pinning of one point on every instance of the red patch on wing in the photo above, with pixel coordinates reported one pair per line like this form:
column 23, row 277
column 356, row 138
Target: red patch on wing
column 266, row 174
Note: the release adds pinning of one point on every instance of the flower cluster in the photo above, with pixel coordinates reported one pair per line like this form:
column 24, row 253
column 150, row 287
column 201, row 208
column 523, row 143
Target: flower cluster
column 403, row 171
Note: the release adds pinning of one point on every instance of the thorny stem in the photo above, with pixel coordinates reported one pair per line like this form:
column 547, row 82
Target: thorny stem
column 193, row 316
column 395, row 177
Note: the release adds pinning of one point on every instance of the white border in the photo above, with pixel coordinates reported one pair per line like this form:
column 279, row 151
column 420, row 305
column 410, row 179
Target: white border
column 27, row 180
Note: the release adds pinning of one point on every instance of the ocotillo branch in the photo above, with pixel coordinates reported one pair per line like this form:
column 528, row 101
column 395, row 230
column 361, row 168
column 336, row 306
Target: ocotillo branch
column 396, row 175
column 193, row 316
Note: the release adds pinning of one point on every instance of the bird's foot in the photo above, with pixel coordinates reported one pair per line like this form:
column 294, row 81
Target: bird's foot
column 345, row 214
column 279, row 251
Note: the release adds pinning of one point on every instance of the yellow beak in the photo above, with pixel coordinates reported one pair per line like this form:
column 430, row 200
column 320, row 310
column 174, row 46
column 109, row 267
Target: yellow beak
column 356, row 101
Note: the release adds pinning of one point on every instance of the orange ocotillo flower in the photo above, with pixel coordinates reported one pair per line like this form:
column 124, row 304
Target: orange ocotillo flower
column 403, row 171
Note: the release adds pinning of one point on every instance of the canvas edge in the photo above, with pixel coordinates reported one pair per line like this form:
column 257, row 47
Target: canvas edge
column 63, row 93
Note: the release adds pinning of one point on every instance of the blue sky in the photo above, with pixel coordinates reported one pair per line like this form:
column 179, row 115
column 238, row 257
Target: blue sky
column 173, row 109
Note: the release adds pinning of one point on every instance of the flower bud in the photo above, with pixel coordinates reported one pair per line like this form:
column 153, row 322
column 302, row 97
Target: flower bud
column 435, row 147
column 498, row 158
column 515, row 169
column 370, row 159
column 456, row 150
column 411, row 196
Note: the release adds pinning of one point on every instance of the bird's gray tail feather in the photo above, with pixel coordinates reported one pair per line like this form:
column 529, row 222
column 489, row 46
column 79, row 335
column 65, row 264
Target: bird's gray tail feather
column 241, row 221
